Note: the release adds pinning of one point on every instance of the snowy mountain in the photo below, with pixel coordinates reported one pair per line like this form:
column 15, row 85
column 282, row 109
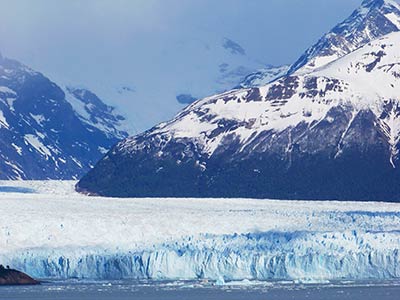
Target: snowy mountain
column 332, row 133
column 263, row 76
column 48, row 132
column 373, row 19
column 241, row 77
column 184, row 70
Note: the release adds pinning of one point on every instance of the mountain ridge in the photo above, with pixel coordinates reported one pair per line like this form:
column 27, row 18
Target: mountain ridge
column 42, row 135
column 373, row 19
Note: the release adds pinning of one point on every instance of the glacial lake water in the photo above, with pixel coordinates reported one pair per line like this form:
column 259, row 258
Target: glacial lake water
column 177, row 290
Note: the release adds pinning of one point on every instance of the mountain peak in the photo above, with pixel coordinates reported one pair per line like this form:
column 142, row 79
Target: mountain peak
column 373, row 19
column 383, row 7
column 379, row 3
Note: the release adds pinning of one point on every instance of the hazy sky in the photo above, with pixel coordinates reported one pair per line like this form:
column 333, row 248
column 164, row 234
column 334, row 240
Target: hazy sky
column 154, row 43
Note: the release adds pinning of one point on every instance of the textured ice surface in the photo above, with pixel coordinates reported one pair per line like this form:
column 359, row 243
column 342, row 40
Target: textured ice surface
column 56, row 233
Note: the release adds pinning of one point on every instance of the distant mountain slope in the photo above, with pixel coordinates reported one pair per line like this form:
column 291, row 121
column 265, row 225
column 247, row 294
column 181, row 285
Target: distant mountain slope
column 373, row 19
column 328, row 134
column 46, row 132
column 263, row 76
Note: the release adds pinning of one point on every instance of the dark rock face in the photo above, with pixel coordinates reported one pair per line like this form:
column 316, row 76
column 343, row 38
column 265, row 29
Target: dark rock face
column 14, row 277
column 42, row 136
column 185, row 98
column 233, row 47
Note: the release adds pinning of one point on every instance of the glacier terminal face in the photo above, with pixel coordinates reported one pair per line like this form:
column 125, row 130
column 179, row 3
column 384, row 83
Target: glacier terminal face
column 57, row 233
column 354, row 255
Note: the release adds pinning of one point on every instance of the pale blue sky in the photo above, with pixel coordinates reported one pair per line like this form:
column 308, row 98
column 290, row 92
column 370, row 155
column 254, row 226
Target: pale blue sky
column 159, row 47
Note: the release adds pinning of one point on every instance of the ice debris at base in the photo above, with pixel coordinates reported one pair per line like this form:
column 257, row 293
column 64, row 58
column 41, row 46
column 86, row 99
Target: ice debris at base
column 56, row 233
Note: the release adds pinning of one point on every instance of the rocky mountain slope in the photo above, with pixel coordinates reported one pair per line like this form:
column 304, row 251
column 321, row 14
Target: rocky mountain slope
column 330, row 132
column 48, row 132
column 373, row 19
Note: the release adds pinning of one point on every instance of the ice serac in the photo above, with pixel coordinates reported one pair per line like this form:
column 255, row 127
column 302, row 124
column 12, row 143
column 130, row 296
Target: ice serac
column 47, row 131
column 373, row 19
column 328, row 134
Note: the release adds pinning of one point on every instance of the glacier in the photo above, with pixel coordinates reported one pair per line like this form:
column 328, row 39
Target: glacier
column 55, row 233
column 260, row 256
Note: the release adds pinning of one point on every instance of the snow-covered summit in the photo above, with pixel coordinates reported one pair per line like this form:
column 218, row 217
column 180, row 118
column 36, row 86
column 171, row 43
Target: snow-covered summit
column 366, row 79
column 373, row 19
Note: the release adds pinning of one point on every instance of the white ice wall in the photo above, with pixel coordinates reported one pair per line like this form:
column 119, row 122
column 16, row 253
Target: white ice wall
column 272, row 255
